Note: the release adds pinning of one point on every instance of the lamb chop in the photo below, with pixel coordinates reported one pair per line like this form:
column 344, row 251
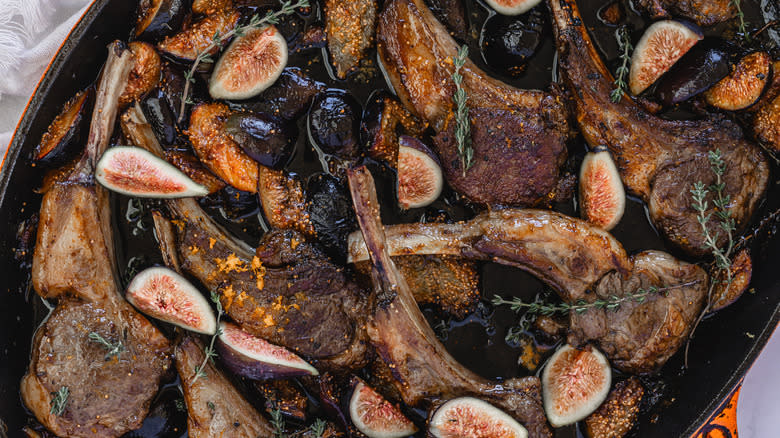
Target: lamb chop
column 703, row 12
column 286, row 291
column 581, row 262
column 423, row 370
column 99, row 358
column 215, row 408
column 518, row 136
column 659, row 160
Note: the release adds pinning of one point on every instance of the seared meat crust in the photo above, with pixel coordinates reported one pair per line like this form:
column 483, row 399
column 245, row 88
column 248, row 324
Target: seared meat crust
column 703, row 12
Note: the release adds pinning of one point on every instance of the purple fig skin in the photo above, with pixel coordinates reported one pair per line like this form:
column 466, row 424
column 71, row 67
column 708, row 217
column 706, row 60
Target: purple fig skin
column 411, row 142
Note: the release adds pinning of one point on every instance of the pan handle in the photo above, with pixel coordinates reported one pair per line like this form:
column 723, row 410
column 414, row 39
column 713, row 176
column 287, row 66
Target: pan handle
column 723, row 422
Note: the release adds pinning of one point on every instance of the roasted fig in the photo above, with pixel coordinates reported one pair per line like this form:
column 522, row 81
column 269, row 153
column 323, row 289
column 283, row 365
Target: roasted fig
column 512, row 7
column 254, row 358
column 160, row 116
column 602, row 196
column 334, row 123
column 469, row 417
column 744, row 86
column 187, row 44
column 420, row 180
column 265, row 139
column 134, row 171
column 217, row 150
column 766, row 124
column 509, row 42
column 63, row 133
column 611, row 13
column 159, row 18
column 451, row 13
column 330, row 210
column 382, row 120
column 703, row 66
column 350, row 26
column 662, row 44
column 165, row 295
column 207, row 7
column 193, row 168
column 727, row 291
column 283, row 201
column 252, row 63
column 617, row 415
column 289, row 97
column 375, row 416
column 145, row 74
column 574, row 383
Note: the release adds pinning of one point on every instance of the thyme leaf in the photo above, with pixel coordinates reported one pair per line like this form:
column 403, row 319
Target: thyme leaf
column 59, row 400
column 277, row 421
column 741, row 16
column 624, row 44
column 272, row 17
column 318, row 427
column 210, row 353
column 112, row 348
column 463, row 126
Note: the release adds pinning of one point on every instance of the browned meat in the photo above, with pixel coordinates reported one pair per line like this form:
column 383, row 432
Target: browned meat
column 74, row 261
column 449, row 283
column 215, row 409
column 617, row 415
column 703, row 12
column 422, row 368
column 659, row 160
column 349, row 26
column 581, row 262
column 518, row 136
column 108, row 396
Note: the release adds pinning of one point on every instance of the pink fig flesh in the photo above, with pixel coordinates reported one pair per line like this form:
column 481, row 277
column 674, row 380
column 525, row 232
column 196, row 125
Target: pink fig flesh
column 420, row 179
column 165, row 295
column 662, row 44
column 512, row 7
column 136, row 172
column 255, row 358
column 469, row 417
column 602, row 196
column 375, row 416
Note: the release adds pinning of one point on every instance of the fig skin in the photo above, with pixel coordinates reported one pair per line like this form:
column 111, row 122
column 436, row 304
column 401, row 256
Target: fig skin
column 252, row 63
column 134, row 171
column 574, row 384
column 698, row 70
column 420, row 180
column 508, row 43
column 469, row 417
column 254, row 358
column 288, row 98
column 161, row 118
column 58, row 143
column 185, row 46
column 602, row 195
column 265, row 139
column 744, row 86
column 376, row 417
column 145, row 74
column 165, row 295
column 334, row 124
column 512, row 7
column 193, row 168
column 726, row 293
column 662, row 44
column 329, row 206
column 159, row 18
column 382, row 119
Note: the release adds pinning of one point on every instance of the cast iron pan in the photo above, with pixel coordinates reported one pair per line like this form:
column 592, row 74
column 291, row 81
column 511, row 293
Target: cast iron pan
column 725, row 345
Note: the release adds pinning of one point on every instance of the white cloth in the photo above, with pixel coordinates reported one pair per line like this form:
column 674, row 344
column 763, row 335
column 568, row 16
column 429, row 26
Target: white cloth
column 31, row 31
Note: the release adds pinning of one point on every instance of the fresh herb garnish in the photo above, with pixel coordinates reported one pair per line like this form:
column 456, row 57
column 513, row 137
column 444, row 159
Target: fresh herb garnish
column 277, row 421
column 741, row 16
column 272, row 17
column 200, row 370
column 59, row 400
column 463, row 126
column 624, row 44
column 318, row 427
column 112, row 348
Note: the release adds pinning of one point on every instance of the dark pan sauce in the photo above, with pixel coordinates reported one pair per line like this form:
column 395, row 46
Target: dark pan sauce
column 478, row 340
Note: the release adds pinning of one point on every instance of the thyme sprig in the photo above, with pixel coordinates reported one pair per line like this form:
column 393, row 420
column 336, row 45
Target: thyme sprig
column 277, row 421
column 200, row 370
column 625, row 46
column 463, row 126
column 612, row 302
column 741, row 16
column 112, row 348
column 59, row 400
column 318, row 427
column 271, row 17
column 280, row 427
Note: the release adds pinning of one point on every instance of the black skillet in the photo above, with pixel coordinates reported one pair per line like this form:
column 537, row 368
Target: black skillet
column 724, row 348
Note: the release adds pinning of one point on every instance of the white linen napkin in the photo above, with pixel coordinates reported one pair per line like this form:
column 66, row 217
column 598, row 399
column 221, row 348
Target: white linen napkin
column 31, row 31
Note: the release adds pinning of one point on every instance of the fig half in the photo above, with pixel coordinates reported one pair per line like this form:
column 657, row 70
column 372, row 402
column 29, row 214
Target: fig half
column 252, row 63
column 145, row 74
column 602, row 196
column 469, row 417
column 420, row 180
column 574, row 384
column 255, row 358
column 192, row 40
column 512, row 7
column 662, row 44
column 744, row 86
column 134, row 171
column 375, row 416
column 165, row 295
column 265, row 139
column 696, row 72
column 56, row 142
column 159, row 18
